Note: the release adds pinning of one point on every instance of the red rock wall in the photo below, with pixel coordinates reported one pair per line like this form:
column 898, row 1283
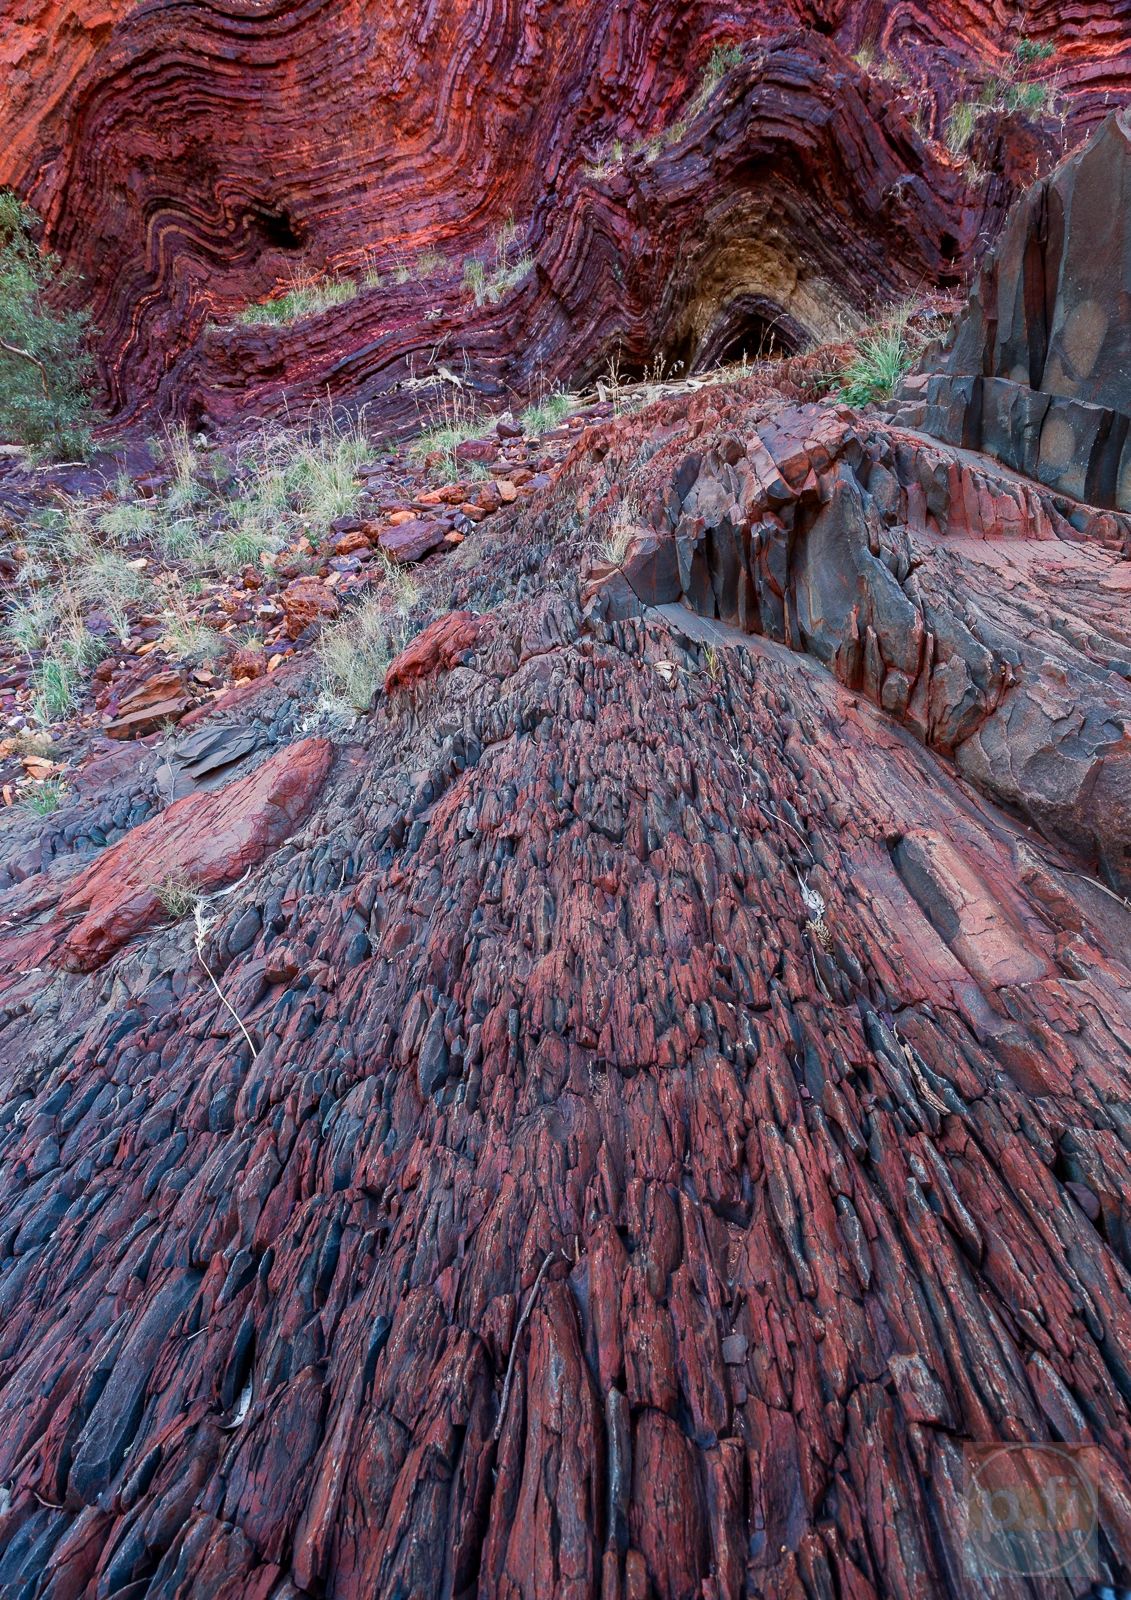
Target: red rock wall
column 191, row 159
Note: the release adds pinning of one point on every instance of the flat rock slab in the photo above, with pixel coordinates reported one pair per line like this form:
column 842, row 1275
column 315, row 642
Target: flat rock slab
column 202, row 842
column 411, row 541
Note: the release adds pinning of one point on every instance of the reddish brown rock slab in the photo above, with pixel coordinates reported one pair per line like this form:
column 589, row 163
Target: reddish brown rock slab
column 160, row 699
column 435, row 650
column 202, row 842
column 411, row 541
column 680, row 1120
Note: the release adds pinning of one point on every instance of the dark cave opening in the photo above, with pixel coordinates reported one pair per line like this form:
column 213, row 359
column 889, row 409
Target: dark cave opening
column 750, row 328
column 276, row 226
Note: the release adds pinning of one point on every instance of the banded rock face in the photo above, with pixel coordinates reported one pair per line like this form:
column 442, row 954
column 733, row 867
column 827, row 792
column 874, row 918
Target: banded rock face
column 191, row 160
column 1039, row 369
column 681, row 1115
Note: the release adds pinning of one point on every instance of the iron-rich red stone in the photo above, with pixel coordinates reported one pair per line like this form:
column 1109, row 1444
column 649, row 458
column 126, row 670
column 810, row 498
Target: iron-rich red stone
column 202, row 843
column 437, row 649
column 668, row 1101
column 822, row 165
column 680, row 1115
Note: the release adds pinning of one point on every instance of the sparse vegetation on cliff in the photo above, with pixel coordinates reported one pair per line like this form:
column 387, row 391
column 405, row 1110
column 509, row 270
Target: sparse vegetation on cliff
column 885, row 352
column 302, row 300
column 1009, row 87
column 45, row 367
column 490, row 281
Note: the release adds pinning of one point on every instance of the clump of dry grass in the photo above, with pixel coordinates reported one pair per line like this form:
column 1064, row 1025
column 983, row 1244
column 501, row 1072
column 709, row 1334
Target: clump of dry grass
column 303, row 299
column 489, row 282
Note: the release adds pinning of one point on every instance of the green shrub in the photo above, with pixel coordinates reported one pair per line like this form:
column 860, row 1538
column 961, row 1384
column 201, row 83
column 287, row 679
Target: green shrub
column 57, row 684
column 490, row 285
column 549, row 411
column 178, row 895
column 45, row 367
column 883, row 355
column 1029, row 53
column 46, row 797
column 1031, row 99
column 452, row 423
column 354, row 655
column 723, row 59
column 1011, row 88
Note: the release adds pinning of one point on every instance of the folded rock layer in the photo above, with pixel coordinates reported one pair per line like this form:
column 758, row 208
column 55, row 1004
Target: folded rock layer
column 192, row 160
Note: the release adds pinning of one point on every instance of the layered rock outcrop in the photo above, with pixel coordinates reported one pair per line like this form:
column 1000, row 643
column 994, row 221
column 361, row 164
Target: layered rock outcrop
column 656, row 1106
column 191, row 161
column 1039, row 369
column 982, row 612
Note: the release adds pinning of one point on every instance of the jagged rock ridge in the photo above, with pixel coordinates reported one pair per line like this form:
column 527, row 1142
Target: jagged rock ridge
column 634, row 959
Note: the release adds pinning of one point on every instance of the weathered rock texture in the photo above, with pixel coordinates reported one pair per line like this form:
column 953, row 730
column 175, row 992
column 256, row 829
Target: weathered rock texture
column 643, row 971
column 986, row 615
column 1039, row 371
column 190, row 160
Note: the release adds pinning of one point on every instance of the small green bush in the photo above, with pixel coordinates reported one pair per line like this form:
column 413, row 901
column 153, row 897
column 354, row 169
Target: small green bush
column 178, row 895
column 883, row 355
column 551, row 410
column 1029, row 53
column 45, row 367
column 489, row 285
column 1012, row 89
column 723, row 59
column 354, row 655
column 1031, row 99
column 45, row 797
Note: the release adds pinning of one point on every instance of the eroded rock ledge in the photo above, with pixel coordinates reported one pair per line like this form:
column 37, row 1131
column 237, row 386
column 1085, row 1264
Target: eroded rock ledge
column 985, row 613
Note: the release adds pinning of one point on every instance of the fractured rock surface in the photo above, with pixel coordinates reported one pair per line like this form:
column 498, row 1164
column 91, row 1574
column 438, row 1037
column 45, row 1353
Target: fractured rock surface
column 984, row 613
column 1039, row 372
column 642, row 975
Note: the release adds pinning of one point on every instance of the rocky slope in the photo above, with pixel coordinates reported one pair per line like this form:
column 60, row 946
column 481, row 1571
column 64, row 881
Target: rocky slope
column 634, row 973
column 630, row 1112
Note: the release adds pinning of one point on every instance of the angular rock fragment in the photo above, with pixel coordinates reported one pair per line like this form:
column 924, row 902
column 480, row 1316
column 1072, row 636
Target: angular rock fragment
column 202, row 842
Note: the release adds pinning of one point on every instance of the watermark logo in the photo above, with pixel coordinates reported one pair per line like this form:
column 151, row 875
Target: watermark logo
column 1032, row 1510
